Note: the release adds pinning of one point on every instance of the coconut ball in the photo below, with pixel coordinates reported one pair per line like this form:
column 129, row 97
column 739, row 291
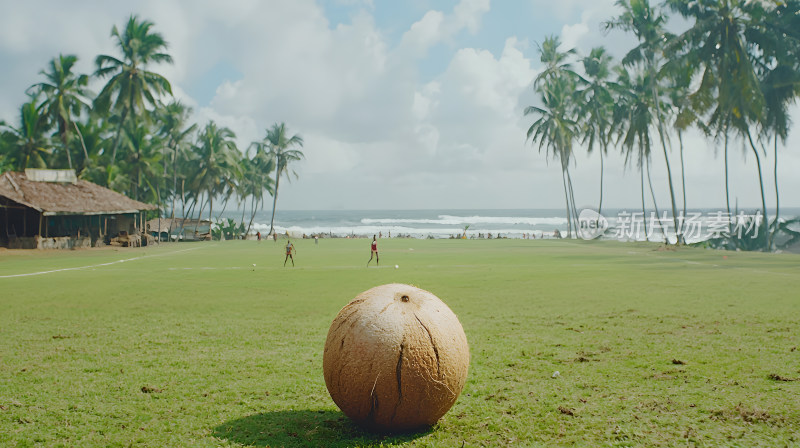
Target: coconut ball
column 396, row 358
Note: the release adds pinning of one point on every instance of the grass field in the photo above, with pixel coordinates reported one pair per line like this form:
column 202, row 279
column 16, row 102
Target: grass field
column 190, row 345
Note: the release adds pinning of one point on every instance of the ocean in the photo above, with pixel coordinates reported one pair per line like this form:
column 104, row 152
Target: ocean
column 623, row 224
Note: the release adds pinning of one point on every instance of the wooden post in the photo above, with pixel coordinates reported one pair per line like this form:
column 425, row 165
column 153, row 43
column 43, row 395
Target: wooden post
column 41, row 215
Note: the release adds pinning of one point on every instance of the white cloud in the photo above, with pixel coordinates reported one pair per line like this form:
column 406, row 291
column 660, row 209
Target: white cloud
column 571, row 35
column 436, row 27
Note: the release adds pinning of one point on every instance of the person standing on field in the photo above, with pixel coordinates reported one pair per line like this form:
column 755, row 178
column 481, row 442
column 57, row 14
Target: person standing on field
column 289, row 250
column 374, row 252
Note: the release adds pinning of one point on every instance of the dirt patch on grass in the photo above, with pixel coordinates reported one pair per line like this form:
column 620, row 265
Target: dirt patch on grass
column 747, row 415
column 776, row 377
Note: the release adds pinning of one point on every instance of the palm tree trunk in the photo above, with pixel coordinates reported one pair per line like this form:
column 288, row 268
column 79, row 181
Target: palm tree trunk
column 761, row 184
column 199, row 216
column 777, row 194
column 83, row 144
column 224, row 206
column 174, row 177
column 210, row 207
column 666, row 160
column 572, row 200
column 116, row 138
column 566, row 200
column 183, row 199
column 274, row 201
column 655, row 204
column 683, row 187
column 727, row 188
column 183, row 220
column 600, row 203
column 644, row 220
column 252, row 214
column 62, row 131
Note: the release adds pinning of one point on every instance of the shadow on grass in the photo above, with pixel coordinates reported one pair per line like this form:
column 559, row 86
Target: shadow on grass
column 303, row 428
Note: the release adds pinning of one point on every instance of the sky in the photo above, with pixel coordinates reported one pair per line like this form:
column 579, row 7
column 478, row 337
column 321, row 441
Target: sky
column 402, row 105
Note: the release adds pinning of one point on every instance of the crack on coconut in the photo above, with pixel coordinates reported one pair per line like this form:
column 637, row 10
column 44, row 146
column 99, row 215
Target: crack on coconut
column 385, row 308
column 342, row 321
column 374, row 405
column 433, row 344
column 399, row 376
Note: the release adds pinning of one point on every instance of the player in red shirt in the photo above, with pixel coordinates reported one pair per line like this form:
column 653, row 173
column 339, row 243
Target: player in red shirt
column 374, row 251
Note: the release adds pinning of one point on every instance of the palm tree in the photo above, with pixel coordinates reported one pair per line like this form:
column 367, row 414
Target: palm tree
column 781, row 85
column 556, row 129
column 729, row 87
column 130, row 86
column 143, row 162
column 217, row 162
column 29, row 139
column 634, row 113
column 684, row 115
column 65, row 96
column 559, row 75
column 556, row 62
column 597, row 105
column 174, row 118
column 93, row 141
column 780, row 79
column 648, row 25
column 280, row 149
column 256, row 179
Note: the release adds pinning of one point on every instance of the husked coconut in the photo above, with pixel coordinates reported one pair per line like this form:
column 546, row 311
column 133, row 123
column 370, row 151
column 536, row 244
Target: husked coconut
column 396, row 358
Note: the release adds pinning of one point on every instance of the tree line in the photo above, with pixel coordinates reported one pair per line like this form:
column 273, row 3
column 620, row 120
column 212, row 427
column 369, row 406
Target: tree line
column 135, row 138
column 733, row 74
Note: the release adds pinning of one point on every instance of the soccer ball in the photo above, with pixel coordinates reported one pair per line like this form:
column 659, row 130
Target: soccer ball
column 397, row 266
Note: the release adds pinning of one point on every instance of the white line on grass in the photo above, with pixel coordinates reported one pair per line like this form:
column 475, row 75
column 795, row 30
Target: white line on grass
column 77, row 268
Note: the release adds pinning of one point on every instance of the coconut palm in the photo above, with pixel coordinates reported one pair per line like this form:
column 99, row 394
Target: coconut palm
column 174, row 119
column 556, row 62
column 780, row 78
column 29, row 140
column 216, row 162
column 93, row 142
column 597, row 104
column 256, row 179
column 65, row 96
column 143, row 162
column 556, row 129
column 634, row 116
column 559, row 75
column 648, row 25
column 781, row 86
column 718, row 42
column 684, row 115
column 131, row 86
column 280, row 149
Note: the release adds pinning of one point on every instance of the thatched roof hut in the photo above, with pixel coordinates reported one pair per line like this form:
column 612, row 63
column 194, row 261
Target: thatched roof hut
column 70, row 196
column 179, row 228
column 42, row 204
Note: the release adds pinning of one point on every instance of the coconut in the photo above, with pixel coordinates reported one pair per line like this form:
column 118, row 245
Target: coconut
column 396, row 358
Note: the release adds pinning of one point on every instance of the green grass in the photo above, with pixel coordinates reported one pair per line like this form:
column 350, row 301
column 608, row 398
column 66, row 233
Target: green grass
column 189, row 345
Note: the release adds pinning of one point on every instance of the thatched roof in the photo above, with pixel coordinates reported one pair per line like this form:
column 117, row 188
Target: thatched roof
column 169, row 224
column 75, row 197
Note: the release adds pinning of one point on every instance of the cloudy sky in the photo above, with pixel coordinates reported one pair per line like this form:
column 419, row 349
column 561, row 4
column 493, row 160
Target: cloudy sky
column 403, row 105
